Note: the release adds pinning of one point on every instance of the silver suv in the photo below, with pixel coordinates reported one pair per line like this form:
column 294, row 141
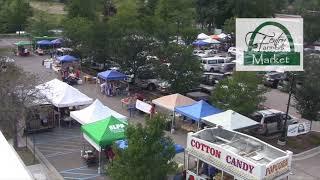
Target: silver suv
column 271, row 121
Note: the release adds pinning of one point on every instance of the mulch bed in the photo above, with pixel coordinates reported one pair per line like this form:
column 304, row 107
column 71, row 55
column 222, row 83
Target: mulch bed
column 296, row 144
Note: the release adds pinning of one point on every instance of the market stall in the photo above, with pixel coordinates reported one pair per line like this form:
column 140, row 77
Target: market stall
column 69, row 67
column 112, row 82
column 216, row 153
column 95, row 112
column 170, row 102
column 23, row 48
column 103, row 133
column 230, row 120
column 62, row 95
column 200, row 43
column 195, row 112
column 57, row 42
column 44, row 47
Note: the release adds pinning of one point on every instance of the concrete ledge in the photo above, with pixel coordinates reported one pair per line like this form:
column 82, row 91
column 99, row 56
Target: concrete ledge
column 52, row 172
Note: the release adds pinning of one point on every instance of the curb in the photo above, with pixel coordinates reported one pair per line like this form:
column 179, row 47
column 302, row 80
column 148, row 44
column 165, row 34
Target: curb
column 52, row 172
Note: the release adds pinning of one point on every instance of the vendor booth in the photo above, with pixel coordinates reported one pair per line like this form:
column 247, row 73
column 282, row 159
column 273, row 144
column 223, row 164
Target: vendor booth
column 43, row 47
column 112, row 82
column 230, row 120
column 95, row 112
column 170, row 102
column 196, row 111
column 62, row 95
column 103, row 133
column 69, row 67
column 23, row 48
column 217, row 153
column 200, row 43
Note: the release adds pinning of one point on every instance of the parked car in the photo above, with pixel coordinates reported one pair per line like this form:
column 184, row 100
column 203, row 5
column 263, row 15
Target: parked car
column 205, row 53
column 227, row 67
column 212, row 64
column 272, row 79
column 271, row 121
column 209, row 80
column 148, row 79
column 233, row 51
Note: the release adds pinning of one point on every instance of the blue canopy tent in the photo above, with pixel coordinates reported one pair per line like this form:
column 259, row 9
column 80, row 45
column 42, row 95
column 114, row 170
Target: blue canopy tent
column 67, row 58
column 44, row 43
column 197, row 110
column 200, row 43
column 112, row 75
column 56, row 41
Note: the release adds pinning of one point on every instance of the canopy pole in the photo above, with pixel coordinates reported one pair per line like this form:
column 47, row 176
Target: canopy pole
column 99, row 166
column 172, row 122
column 59, row 116
column 198, row 125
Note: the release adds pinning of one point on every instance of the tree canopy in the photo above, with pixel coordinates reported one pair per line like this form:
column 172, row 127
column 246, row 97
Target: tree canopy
column 307, row 94
column 146, row 145
column 242, row 93
column 14, row 15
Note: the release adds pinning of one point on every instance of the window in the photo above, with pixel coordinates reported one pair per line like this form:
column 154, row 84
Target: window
column 212, row 62
column 257, row 117
column 204, row 62
column 220, row 61
column 272, row 119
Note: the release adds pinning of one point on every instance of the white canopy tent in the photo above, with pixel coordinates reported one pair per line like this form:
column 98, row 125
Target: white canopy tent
column 202, row 36
column 61, row 94
column 11, row 165
column 222, row 35
column 230, row 120
column 95, row 112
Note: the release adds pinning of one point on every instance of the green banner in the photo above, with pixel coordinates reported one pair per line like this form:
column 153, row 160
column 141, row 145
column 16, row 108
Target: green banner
column 264, row 58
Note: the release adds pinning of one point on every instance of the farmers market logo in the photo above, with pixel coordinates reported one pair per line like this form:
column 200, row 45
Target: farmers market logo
column 269, row 44
column 271, row 50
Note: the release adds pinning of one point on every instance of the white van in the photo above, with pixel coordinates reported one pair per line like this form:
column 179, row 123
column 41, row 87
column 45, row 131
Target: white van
column 213, row 64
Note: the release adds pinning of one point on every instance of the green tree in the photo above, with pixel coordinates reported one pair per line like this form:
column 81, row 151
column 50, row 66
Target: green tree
column 79, row 31
column 307, row 95
column 174, row 17
column 14, row 15
column 242, row 93
column 40, row 26
column 146, row 145
column 213, row 13
column 310, row 11
column 183, row 70
column 230, row 25
column 17, row 92
column 82, row 8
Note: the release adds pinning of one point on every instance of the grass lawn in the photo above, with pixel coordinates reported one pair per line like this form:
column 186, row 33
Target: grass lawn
column 27, row 156
column 49, row 7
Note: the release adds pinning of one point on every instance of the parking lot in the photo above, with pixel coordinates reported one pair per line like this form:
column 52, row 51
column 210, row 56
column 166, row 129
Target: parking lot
column 61, row 147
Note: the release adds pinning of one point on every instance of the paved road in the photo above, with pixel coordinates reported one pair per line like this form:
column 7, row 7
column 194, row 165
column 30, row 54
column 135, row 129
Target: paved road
column 62, row 156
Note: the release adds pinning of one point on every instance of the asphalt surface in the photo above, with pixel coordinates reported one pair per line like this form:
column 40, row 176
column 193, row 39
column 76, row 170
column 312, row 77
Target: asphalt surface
column 62, row 146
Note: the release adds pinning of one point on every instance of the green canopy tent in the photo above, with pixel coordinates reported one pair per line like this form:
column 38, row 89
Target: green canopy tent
column 23, row 43
column 103, row 133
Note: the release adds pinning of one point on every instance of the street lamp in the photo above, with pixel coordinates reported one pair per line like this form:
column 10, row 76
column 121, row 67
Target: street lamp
column 282, row 139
